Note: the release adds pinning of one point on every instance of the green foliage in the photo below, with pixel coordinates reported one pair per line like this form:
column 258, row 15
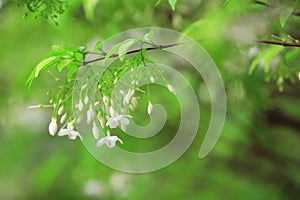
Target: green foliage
column 69, row 58
column 172, row 3
column 45, row 8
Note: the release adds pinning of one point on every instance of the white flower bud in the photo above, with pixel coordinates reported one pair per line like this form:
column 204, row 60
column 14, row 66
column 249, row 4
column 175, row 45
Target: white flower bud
column 134, row 101
column 111, row 111
column 96, row 132
column 105, row 100
column 78, row 120
column 80, row 105
column 152, row 79
column 96, row 103
column 83, row 87
column 90, row 115
column 63, row 118
column 60, row 110
column 127, row 97
column 150, row 108
column 70, row 125
column 171, row 89
column 101, row 119
column 86, row 100
column 53, row 127
column 122, row 92
column 131, row 107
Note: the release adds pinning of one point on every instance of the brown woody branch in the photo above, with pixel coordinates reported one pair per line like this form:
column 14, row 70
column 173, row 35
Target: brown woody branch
column 156, row 47
column 285, row 44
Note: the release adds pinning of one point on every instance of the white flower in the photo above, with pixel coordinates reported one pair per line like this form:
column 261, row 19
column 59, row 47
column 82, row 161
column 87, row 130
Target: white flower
column 83, row 87
column 111, row 111
column 80, row 105
column 105, row 100
column 60, row 110
column 110, row 141
column 78, row 120
column 113, row 122
column 70, row 125
column 35, row 106
column 134, row 101
column 152, row 79
column 171, row 89
column 52, row 127
column 128, row 96
column 95, row 131
column 90, row 115
column 72, row 135
column 86, row 100
column 150, row 108
column 63, row 118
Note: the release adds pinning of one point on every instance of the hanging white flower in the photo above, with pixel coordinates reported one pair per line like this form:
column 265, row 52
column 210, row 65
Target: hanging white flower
column 113, row 122
column 80, row 105
column 70, row 125
column 128, row 96
column 110, row 141
column 63, row 118
column 86, row 100
column 53, row 127
column 72, row 135
column 152, row 79
column 95, row 130
column 105, row 100
column 90, row 115
column 60, row 110
column 150, row 108
column 171, row 89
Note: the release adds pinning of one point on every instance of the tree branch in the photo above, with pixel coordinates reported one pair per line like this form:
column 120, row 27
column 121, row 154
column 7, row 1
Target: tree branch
column 297, row 14
column 285, row 44
column 156, row 47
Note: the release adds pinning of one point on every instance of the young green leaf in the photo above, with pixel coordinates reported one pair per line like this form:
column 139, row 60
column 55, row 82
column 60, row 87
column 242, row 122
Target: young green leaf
column 148, row 37
column 157, row 3
column 98, row 46
column 63, row 63
column 127, row 44
column 124, row 48
column 267, row 56
column 44, row 64
column 172, row 4
column 285, row 14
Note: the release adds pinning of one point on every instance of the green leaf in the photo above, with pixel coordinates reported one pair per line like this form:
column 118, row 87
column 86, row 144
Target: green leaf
column 285, row 14
column 89, row 7
column 172, row 4
column 98, row 46
column 124, row 48
column 149, row 36
column 157, row 3
column 267, row 56
column 44, row 64
column 63, row 63
column 121, row 52
column 72, row 71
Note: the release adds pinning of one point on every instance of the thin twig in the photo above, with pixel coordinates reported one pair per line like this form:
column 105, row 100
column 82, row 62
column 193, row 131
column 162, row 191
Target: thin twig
column 297, row 14
column 285, row 44
column 157, row 47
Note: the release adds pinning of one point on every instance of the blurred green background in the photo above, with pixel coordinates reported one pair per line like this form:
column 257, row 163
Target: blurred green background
column 256, row 157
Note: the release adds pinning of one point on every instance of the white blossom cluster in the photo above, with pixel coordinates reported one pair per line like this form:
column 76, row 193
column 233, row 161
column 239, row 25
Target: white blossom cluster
column 104, row 112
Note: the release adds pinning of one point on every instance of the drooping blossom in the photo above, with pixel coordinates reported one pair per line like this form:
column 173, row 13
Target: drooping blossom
column 110, row 141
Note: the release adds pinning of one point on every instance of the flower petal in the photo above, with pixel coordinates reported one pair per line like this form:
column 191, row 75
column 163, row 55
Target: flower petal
column 63, row 132
column 102, row 141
